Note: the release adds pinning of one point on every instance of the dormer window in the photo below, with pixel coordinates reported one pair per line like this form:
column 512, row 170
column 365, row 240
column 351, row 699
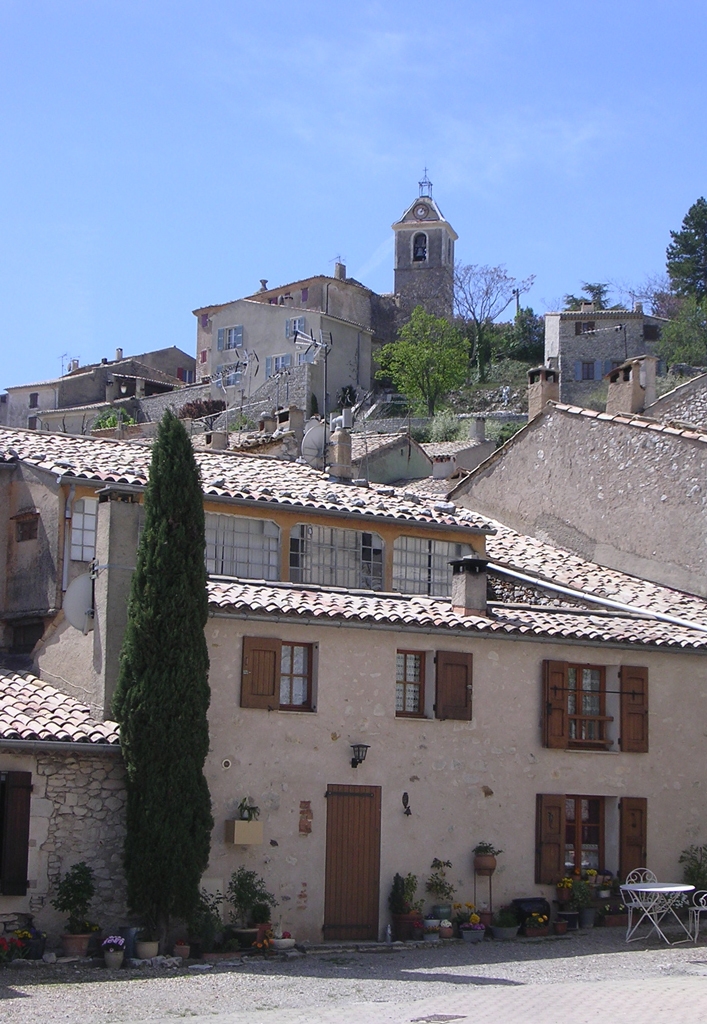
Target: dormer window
column 419, row 248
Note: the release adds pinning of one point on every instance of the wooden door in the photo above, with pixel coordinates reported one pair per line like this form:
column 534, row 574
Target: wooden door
column 634, row 826
column 353, row 828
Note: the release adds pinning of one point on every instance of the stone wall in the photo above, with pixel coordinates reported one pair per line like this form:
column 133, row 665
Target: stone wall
column 77, row 813
column 686, row 403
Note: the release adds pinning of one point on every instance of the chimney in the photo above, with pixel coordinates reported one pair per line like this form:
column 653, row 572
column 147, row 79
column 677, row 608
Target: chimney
column 586, row 307
column 543, row 387
column 118, row 354
column 469, row 581
column 268, row 423
column 217, row 440
column 478, row 431
column 296, row 422
column 339, row 271
column 340, row 467
column 631, row 386
column 638, row 307
column 263, row 284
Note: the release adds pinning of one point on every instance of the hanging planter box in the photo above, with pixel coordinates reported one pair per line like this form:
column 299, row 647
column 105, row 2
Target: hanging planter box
column 244, row 833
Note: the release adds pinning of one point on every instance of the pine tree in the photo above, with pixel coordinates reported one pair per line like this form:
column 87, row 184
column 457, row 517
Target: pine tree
column 687, row 253
column 162, row 695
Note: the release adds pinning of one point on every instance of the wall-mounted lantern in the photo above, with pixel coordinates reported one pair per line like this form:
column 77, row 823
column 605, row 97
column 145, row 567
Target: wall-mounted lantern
column 359, row 753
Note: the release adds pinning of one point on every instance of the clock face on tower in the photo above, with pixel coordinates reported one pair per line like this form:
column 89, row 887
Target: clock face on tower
column 421, row 211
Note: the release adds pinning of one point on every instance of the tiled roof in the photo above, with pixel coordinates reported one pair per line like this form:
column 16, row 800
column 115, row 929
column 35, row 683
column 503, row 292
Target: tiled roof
column 366, row 445
column 630, row 420
column 228, row 474
column 434, row 448
column 412, row 611
column 557, row 565
column 430, row 486
column 31, row 709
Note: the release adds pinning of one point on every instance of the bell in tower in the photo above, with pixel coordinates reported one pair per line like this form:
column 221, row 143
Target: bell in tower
column 424, row 257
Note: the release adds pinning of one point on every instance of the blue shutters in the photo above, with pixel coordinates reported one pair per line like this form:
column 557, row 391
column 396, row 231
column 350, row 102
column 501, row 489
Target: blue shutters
column 578, row 369
column 597, row 370
column 268, row 367
column 220, row 339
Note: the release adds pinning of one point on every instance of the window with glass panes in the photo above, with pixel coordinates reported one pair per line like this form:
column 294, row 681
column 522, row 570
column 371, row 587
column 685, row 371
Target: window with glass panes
column 584, row 833
column 244, row 547
column 410, row 683
column 336, row 558
column 296, row 676
column 83, row 529
column 586, row 705
column 421, row 565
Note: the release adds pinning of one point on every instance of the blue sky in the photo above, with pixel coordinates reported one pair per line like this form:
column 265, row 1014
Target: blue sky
column 159, row 156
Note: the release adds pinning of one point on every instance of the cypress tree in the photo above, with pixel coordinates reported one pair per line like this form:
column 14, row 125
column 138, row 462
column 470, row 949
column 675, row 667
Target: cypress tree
column 162, row 695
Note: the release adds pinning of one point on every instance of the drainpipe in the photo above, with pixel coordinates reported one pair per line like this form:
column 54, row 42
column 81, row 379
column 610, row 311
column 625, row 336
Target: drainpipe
column 67, row 537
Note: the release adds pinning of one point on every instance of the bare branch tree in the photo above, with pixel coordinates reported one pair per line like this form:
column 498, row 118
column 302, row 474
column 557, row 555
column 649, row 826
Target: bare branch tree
column 481, row 294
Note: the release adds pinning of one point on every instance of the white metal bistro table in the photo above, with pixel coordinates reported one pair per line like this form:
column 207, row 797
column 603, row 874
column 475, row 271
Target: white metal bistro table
column 654, row 901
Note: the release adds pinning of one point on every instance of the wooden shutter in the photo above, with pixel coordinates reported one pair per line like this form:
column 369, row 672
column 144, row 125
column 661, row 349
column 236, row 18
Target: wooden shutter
column 352, row 875
column 15, row 832
column 578, row 368
column 454, row 685
column 219, row 339
column 597, row 369
column 555, row 723
column 550, row 838
column 632, row 847
column 260, row 673
column 634, row 709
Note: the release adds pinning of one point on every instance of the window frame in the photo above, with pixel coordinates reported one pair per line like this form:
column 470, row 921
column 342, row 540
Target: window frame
column 578, row 827
column 34, row 399
column 229, row 338
column 307, row 704
column 588, row 370
column 15, row 812
column 584, row 326
column 296, row 324
column 26, row 527
column 75, row 530
column 219, row 540
column 424, row 258
column 262, row 690
column 420, row 683
column 406, row 548
column 308, row 564
column 599, row 720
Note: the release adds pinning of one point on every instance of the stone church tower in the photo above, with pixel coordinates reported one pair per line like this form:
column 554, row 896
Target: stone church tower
column 424, row 257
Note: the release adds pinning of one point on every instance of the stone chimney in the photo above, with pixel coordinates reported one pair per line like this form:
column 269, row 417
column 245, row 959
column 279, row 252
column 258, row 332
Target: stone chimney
column 543, row 387
column 340, row 271
column 469, row 581
column 632, row 386
column 216, row 440
column 638, row 307
column 340, row 467
column 268, row 423
column 477, row 430
column 586, row 307
column 118, row 354
column 263, row 284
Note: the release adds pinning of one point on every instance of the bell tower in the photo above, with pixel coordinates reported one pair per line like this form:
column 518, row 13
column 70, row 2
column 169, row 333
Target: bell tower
column 424, row 257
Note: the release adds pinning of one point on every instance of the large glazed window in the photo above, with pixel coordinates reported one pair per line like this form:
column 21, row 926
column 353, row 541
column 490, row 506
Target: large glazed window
column 83, row 529
column 238, row 546
column 421, row 566
column 336, row 558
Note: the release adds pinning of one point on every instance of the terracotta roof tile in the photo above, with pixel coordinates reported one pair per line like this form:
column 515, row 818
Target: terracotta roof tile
column 316, row 603
column 435, row 448
column 31, row 709
column 227, row 474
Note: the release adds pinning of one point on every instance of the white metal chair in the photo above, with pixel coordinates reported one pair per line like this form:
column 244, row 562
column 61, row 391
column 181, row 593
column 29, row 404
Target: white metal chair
column 639, row 875
column 699, row 906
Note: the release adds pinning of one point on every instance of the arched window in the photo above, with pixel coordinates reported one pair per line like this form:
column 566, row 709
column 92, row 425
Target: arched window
column 419, row 248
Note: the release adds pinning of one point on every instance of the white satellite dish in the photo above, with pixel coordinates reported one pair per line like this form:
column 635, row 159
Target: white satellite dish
column 313, row 444
column 78, row 603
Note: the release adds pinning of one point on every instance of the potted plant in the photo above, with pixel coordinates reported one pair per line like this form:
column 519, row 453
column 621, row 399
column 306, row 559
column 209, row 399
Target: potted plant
column 181, row 948
column 564, row 890
column 485, row 858
column 612, row 915
column 505, row 924
column 431, row 931
column 404, row 908
column 113, row 951
column 442, row 889
column 246, row 890
column 446, row 929
column 32, row 940
column 204, row 922
column 560, row 926
column 582, row 902
column 260, row 918
column 472, row 930
column 146, row 945
column 536, row 924
column 73, row 897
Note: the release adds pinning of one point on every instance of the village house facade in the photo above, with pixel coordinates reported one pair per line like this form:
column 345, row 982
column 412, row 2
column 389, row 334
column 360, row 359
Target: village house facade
column 497, row 703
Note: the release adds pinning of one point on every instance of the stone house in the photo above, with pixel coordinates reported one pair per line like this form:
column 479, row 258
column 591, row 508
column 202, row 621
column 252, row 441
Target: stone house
column 336, row 620
column 388, row 458
column 62, row 800
column 586, row 344
column 686, row 404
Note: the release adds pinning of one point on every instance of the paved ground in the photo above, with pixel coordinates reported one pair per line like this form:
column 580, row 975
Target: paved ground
column 585, row 978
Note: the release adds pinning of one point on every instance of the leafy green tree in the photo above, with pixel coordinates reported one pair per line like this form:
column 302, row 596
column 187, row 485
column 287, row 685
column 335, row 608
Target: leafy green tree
column 162, row 695
column 523, row 339
column 687, row 253
column 427, row 361
column 684, row 339
column 596, row 293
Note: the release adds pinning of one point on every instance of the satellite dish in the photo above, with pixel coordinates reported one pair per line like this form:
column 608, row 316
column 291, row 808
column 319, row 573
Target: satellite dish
column 78, row 603
column 313, row 444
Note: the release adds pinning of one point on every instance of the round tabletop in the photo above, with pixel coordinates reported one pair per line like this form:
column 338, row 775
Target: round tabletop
column 659, row 887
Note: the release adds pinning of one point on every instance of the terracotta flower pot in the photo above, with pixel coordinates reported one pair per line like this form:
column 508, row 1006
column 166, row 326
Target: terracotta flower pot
column 446, row 933
column 484, row 864
column 404, row 926
column 75, row 945
column 182, row 951
column 536, row 932
column 563, row 895
column 560, row 927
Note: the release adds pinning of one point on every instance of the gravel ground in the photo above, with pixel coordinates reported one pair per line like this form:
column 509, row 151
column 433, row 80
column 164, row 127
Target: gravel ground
column 336, row 979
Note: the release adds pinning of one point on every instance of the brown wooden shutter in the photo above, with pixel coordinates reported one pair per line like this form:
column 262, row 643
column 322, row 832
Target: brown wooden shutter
column 555, row 724
column 15, row 832
column 454, row 685
column 634, row 709
column 549, row 838
column 260, row 674
column 634, row 827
